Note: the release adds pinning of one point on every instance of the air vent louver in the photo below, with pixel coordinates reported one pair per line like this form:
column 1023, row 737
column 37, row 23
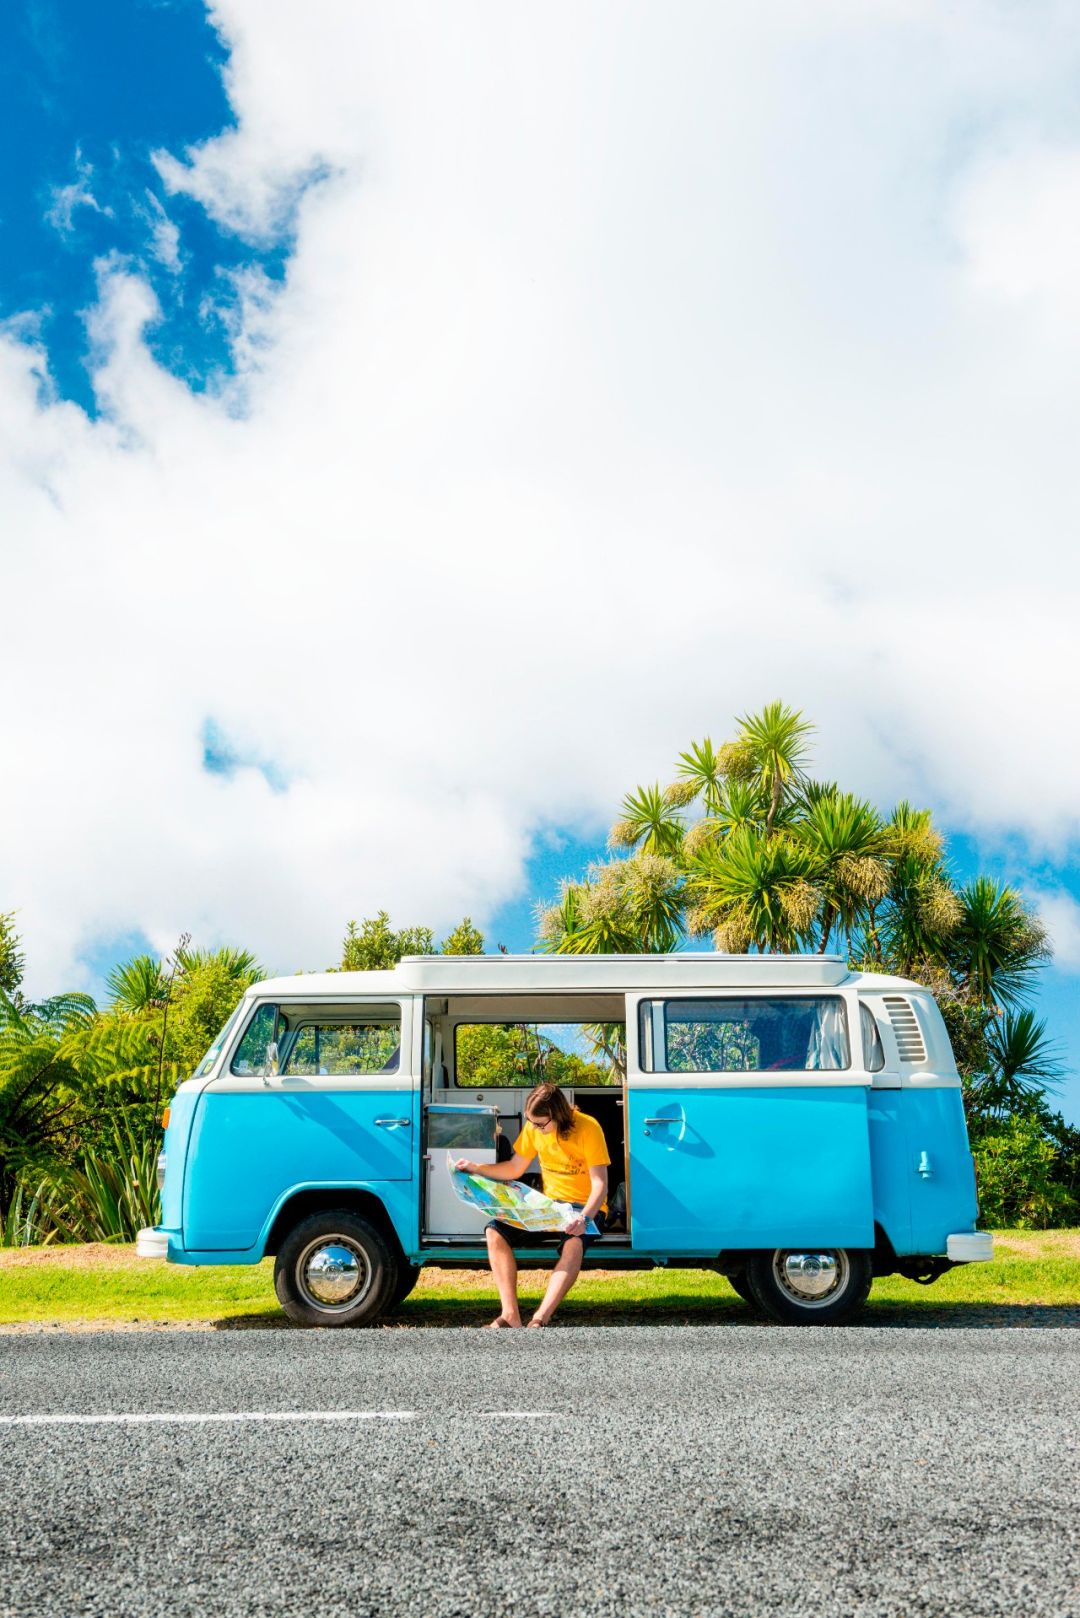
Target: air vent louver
column 909, row 1039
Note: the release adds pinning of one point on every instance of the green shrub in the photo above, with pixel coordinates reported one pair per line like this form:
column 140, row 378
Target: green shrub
column 1019, row 1178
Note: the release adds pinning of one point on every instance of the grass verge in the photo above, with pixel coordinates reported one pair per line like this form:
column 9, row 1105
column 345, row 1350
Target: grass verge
column 1035, row 1276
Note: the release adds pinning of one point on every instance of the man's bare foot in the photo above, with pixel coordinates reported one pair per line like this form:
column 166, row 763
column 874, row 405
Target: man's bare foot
column 500, row 1322
column 536, row 1321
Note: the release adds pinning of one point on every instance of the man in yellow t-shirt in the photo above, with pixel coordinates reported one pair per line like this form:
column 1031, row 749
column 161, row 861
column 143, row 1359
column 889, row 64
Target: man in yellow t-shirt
column 573, row 1164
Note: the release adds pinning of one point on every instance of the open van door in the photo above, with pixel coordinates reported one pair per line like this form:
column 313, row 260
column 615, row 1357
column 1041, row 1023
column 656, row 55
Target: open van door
column 747, row 1124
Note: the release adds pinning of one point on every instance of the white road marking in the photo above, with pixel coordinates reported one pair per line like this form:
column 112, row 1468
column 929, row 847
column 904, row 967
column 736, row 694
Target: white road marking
column 156, row 1417
column 521, row 1415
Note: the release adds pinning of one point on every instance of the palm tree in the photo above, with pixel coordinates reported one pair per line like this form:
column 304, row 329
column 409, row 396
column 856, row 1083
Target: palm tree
column 851, row 845
column 648, row 822
column 700, row 776
column 625, row 907
column 998, row 944
column 766, row 759
column 739, row 805
column 908, row 929
column 240, row 964
column 138, row 985
column 771, row 748
column 1023, row 1064
column 754, row 890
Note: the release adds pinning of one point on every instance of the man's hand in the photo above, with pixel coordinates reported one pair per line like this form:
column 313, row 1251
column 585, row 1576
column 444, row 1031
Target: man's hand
column 576, row 1227
column 464, row 1166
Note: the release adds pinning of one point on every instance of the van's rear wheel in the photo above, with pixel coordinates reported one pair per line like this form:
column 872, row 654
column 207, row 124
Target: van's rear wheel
column 334, row 1269
column 804, row 1287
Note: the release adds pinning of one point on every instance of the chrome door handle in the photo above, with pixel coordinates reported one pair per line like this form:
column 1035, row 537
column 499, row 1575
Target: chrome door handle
column 393, row 1123
column 664, row 1120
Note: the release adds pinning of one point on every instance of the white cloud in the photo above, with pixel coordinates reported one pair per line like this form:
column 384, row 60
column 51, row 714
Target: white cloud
column 66, row 199
column 1060, row 914
column 633, row 368
column 1019, row 224
column 164, row 235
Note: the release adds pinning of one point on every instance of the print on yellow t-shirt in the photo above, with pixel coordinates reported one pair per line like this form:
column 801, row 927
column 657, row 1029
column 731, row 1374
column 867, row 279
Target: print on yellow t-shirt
column 565, row 1162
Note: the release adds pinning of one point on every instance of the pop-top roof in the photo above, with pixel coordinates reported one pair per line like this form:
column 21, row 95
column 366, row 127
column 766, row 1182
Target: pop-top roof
column 537, row 974
column 691, row 971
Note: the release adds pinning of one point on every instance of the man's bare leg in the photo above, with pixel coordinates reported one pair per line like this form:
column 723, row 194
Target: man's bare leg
column 504, row 1269
column 562, row 1279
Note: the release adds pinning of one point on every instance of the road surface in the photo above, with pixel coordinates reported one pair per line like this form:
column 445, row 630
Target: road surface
column 577, row 1471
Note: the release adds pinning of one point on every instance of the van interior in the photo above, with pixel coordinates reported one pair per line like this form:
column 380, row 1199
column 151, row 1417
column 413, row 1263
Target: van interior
column 482, row 1056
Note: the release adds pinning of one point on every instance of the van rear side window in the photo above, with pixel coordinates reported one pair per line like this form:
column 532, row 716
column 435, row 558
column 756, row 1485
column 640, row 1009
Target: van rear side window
column 787, row 1034
column 873, row 1050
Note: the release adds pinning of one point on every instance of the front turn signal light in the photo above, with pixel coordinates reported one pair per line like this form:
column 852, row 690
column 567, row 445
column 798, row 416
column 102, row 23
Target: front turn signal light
column 165, row 1118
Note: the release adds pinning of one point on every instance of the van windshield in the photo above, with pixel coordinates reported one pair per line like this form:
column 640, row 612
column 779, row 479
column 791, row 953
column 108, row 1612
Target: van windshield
column 215, row 1049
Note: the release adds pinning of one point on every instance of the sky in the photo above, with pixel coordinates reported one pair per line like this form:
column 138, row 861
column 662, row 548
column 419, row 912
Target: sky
column 417, row 425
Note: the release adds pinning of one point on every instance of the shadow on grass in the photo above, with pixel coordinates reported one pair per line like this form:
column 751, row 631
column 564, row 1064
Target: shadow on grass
column 696, row 1311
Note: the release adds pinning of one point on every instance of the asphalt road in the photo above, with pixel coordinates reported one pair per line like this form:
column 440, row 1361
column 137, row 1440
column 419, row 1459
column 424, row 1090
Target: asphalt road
column 586, row 1471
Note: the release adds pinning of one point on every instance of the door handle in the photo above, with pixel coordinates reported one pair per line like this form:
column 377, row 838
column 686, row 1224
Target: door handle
column 678, row 1121
column 393, row 1123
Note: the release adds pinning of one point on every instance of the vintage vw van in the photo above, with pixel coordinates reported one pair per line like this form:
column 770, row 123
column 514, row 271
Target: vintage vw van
column 783, row 1120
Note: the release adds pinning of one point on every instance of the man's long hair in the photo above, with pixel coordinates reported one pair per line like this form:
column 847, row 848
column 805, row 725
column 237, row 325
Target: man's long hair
column 548, row 1101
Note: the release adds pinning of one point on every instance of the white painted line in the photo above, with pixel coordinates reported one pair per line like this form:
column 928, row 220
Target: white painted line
column 521, row 1415
column 160, row 1417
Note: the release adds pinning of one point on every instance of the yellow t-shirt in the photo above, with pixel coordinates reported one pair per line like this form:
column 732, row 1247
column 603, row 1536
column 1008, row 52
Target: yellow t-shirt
column 565, row 1162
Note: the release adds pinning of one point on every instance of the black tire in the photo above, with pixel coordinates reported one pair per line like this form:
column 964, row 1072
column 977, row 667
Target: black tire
column 407, row 1277
column 742, row 1286
column 776, row 1283
column 364, row 1278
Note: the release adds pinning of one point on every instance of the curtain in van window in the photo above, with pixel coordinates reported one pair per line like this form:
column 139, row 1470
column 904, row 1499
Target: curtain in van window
column 828, row 1047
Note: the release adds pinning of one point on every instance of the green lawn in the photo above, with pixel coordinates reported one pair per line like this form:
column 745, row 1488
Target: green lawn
column 75, row 1286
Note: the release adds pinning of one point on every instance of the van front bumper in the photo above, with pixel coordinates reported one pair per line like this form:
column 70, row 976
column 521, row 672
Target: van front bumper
column 970, row 1247
column 152, row 1242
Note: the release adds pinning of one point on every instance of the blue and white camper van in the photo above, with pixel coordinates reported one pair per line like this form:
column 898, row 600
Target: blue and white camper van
column 781, row 1119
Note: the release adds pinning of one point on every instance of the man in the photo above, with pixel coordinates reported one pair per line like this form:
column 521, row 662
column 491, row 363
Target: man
column 573, row 1164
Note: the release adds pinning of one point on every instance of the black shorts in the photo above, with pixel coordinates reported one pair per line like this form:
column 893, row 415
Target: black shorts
column 542, row 1238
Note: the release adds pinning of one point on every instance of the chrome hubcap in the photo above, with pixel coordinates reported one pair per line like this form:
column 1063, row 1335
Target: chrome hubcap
column 811, row 1279
column 333, row 1273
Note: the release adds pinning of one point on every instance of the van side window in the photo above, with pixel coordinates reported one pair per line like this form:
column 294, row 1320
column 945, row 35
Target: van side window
column 785, row 1034
column 344, row 1049
column 253, row 1054
column 873, row 1050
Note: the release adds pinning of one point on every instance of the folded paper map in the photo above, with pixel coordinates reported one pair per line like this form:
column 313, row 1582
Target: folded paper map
column 513, row 1202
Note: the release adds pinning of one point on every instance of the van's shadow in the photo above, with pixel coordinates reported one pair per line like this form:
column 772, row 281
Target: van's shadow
column 692, row 1310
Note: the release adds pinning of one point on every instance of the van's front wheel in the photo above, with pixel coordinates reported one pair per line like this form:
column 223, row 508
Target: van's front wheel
column 334, row 1269
column 800, row 1287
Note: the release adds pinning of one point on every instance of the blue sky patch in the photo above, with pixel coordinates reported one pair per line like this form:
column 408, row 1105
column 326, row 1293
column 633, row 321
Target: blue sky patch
column 87, row 94
column 220, row 756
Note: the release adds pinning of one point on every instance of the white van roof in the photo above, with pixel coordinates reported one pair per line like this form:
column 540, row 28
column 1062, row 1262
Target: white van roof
column 537, row 974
